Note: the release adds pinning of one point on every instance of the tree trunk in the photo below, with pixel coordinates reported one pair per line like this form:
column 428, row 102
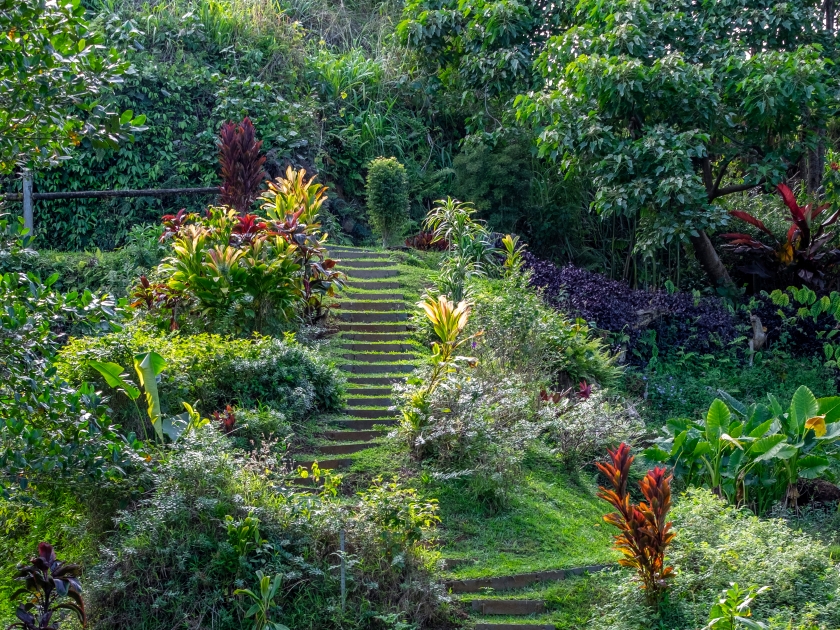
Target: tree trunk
column 710, row 261
column 815, row 164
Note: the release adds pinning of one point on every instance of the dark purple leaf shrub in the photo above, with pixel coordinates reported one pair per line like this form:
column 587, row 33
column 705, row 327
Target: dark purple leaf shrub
column 616, row 308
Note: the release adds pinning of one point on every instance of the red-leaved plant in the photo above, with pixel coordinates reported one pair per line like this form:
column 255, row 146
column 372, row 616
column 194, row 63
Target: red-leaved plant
column 242, row 165
column 803, row 250
column 645, row 532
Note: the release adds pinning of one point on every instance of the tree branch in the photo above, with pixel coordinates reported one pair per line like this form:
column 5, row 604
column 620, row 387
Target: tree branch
column 728, row 190
column 722, row 172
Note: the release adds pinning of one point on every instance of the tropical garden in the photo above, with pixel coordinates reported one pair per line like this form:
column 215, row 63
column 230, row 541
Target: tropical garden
column 366, row 314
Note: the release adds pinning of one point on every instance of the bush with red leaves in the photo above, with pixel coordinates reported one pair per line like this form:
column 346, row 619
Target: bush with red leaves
column 679, row 319
column 241, row 165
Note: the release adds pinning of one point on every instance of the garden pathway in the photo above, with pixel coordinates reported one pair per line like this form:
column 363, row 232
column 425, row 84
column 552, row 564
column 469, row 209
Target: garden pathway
column 375, row 340
column 373, row 334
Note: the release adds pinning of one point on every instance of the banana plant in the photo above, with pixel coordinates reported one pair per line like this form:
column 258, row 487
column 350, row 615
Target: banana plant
column 148, row 366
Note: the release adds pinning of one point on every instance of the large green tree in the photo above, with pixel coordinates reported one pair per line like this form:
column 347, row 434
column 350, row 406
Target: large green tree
column 669, row 105
column 52, row 75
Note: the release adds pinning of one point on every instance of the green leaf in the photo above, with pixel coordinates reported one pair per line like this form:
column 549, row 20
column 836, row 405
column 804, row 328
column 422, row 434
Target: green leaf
column 113, row 375
column 126, row 117
column 717, row 420
column 148, row 366
column 761, row 429
column 803, row 405
column 830, row 408
column 766, row 447
column 812, row 466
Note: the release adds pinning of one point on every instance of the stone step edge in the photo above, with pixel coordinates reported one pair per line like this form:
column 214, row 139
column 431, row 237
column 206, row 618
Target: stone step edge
column 515, row 626
column 520, row 580
column 508, row 606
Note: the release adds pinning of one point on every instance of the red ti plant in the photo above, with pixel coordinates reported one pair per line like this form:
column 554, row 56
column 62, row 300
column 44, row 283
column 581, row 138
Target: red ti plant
column 159, row 296
column 242, row 165
column 172, row 223
column 247, row 228
column 49, row 586
column 645, row 532
column 802, row 251
column 226, row 420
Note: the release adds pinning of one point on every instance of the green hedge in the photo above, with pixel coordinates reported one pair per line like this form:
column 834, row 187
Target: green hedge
column 215, row 370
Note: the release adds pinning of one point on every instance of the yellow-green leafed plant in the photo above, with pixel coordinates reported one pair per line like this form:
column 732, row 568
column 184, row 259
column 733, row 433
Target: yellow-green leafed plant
column 513, row 255
column 292, row 194
column 449, row 321
column 263, row 607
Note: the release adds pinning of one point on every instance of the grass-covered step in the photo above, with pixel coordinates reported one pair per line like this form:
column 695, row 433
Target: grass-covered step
column 352, row 436
column 344, row 449
column 370, row 318
column 377, row 368
column 368, row 391
column 355, row 254
column 368, row 357
column 358, row 263
column 375, row 337
column 358, row 295
column 373, row 401
column 324, row 464
column 356, row 305
column 363, row 327
column 510, row 582
column 369, row 413
column 515, row 626
column 377, row 347
column 371, row 274
column 372, row 285
column 508, row 606
column 372, row 380
column 355, row 424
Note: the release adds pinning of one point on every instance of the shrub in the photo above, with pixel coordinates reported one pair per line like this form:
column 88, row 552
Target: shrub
column 387, row 198
column 717, row 545
column 210, row 523
column 524, row 335
column 582, row 430
column 679, row 320
column 214, row 370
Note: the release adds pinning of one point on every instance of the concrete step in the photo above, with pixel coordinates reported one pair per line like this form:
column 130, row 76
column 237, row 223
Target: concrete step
column 344, row 449
column 510, row 582
column 371, row 274
column 357, row 295
column 372, row 306
column 323, row 464
column 394, row 369
column 357, row 263
column 353, row 436
column 373, row 380
column 370, row 413
column 370, row 402
column 508, row 606
column 365, row 425
column 515, row 626
column 377, row 347
column 389, row 337
column 371, row 318
column 372, row 285
column 368, row 357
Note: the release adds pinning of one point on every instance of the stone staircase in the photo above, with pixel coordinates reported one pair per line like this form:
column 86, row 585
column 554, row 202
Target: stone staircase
column 374, row 337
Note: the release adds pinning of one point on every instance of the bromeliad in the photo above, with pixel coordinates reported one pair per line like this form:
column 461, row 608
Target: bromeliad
column 803, row 249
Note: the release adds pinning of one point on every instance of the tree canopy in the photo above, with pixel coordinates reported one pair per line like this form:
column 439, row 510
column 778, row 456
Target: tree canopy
column 669, row 105
column 53, row 73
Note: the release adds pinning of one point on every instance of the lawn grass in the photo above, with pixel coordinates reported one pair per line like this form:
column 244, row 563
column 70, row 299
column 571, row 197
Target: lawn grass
column 552, row 521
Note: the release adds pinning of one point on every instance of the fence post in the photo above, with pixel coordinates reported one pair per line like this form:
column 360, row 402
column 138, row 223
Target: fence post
column 343, row 576
column 28, row 215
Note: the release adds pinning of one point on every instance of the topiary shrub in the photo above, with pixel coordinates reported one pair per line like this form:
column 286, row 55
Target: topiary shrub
column 215, row 370
column 387, row 198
